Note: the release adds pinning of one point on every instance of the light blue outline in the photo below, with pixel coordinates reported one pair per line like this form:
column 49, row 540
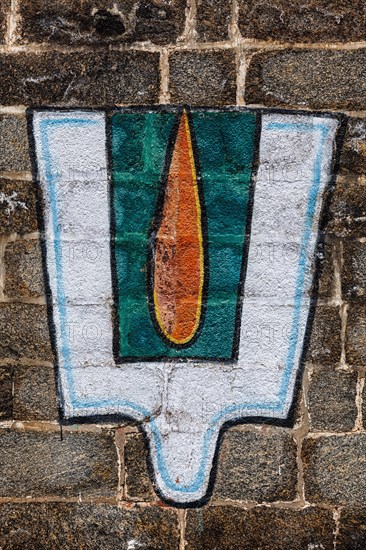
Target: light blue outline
column 116, row 404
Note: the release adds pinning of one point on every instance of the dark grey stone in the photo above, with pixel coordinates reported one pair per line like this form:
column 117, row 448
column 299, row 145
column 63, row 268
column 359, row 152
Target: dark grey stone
column 325, row 339
column 23, row 270
column 354, row 271
column 228, row 528
column 296, row 21
column 40, row 464
column 334, row 469
column 35, row 393
column 356, row 335
column 24, row 332
column 14, row 147
column 137, row 478
column 87, row 527
column 352, row 529
column 213, row 19
column 332, row 400
column 321, row 79
column 17, row 207
column 6, row 392
column 90, row 79
column 256, row 467
column 203, row 77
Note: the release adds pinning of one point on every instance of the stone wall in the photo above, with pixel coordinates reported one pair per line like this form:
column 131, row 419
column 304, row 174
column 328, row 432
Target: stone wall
column 87, row 486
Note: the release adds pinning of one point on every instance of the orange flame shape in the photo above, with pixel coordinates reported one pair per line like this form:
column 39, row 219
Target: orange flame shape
column 178, row 270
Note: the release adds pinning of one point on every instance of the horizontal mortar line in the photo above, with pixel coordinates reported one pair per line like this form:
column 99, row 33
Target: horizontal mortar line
column 297, row 504
column 153, row 48
column 17, row 176
column 24, row 301
column 13, row 109
column 57, row 499
column 17, row 237
column 318, row 435
column 24, row 362
column 48, row 426
column 306, row 108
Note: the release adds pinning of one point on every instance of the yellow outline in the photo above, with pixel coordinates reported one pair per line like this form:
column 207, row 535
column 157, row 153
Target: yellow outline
column 200, row 240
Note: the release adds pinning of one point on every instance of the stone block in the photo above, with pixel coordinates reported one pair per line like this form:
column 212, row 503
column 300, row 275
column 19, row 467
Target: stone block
column 24, row 332
column 81, row 526
column 23, row 270
column 226, row 527
column 101, row 22
column 213, row 19
column 334, row 469
column 42, row 464
column 320, row 79
column 352, row 530
column 17, row 207
column 6, row 392
column 294, row 21
column 325, row 338
column 76, row 79
column 203, row 77
column 14, row 144
column 35, row 393
column 332, row 400
column 356, row 335
column 258, row 467
column 137, row 479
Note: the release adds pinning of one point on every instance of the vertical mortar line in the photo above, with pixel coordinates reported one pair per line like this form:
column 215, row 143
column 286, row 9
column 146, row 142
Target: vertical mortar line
column 343, row 306
column 234, row 32
column 190, row 34
column 359, row 401
column 242, row 62
column 336, row 517
column 12, row 23
column 300, row 433
column 164, row 76
column 119, row 441
column 182, row 518
column 3, row 243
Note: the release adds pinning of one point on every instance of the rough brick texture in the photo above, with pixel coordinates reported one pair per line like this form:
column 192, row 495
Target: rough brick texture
column 6, row 392
column 334, row 469
column 325, row 341
column 138, row 484
column 296, row 21
column 56, row 525
column 228, row 527
column 41, row 464
column 14, row 145
column 74, row 79
column 256, row 467
column 4, row 12
column 213, row 19
column 320, row 79
column 352, row 530
column 23, row 270
column 203, row 77
column 332, row 400
column 356, row 335
column 95, row 22
column 17, row 207
column 35, row 393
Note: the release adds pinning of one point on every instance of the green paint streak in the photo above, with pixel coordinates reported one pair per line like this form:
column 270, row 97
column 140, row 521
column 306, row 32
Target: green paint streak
column 225, row 150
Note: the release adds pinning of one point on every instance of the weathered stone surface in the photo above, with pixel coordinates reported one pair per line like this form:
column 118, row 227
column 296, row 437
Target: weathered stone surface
column 332, row 396
column 256, row 467
column 137, row 478
column 322, row 79
column 39, row 464
column 24, row 332
column 101, row 78
column 325, row 339
column 327, row 254
column 6, row 393
column 353, row 157
column 213, row 19
column 35, row 393
column 296, row 21
column 100, row 21
column 334, row 469
column 356, row 335
column 352, row 530
column 4, row 11
column 87, row 526
column 354, row 271
column 347, row 214
column 17, row 207
column 226, row 527
column 203, row 77
column 14, row 144
column 23, row 270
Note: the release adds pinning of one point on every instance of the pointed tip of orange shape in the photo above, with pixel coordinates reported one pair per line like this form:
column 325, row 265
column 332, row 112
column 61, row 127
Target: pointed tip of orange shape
column 178, row 270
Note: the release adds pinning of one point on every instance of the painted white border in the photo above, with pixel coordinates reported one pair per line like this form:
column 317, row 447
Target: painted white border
column 181, row 405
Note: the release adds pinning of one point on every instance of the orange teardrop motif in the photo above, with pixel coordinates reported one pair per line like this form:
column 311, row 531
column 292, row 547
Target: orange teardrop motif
column 178, row 270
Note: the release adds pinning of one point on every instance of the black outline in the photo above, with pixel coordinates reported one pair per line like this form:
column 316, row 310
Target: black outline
column 318, row 265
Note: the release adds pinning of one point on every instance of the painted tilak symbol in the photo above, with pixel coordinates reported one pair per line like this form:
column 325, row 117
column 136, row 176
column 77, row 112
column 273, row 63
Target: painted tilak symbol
column 180, row 252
